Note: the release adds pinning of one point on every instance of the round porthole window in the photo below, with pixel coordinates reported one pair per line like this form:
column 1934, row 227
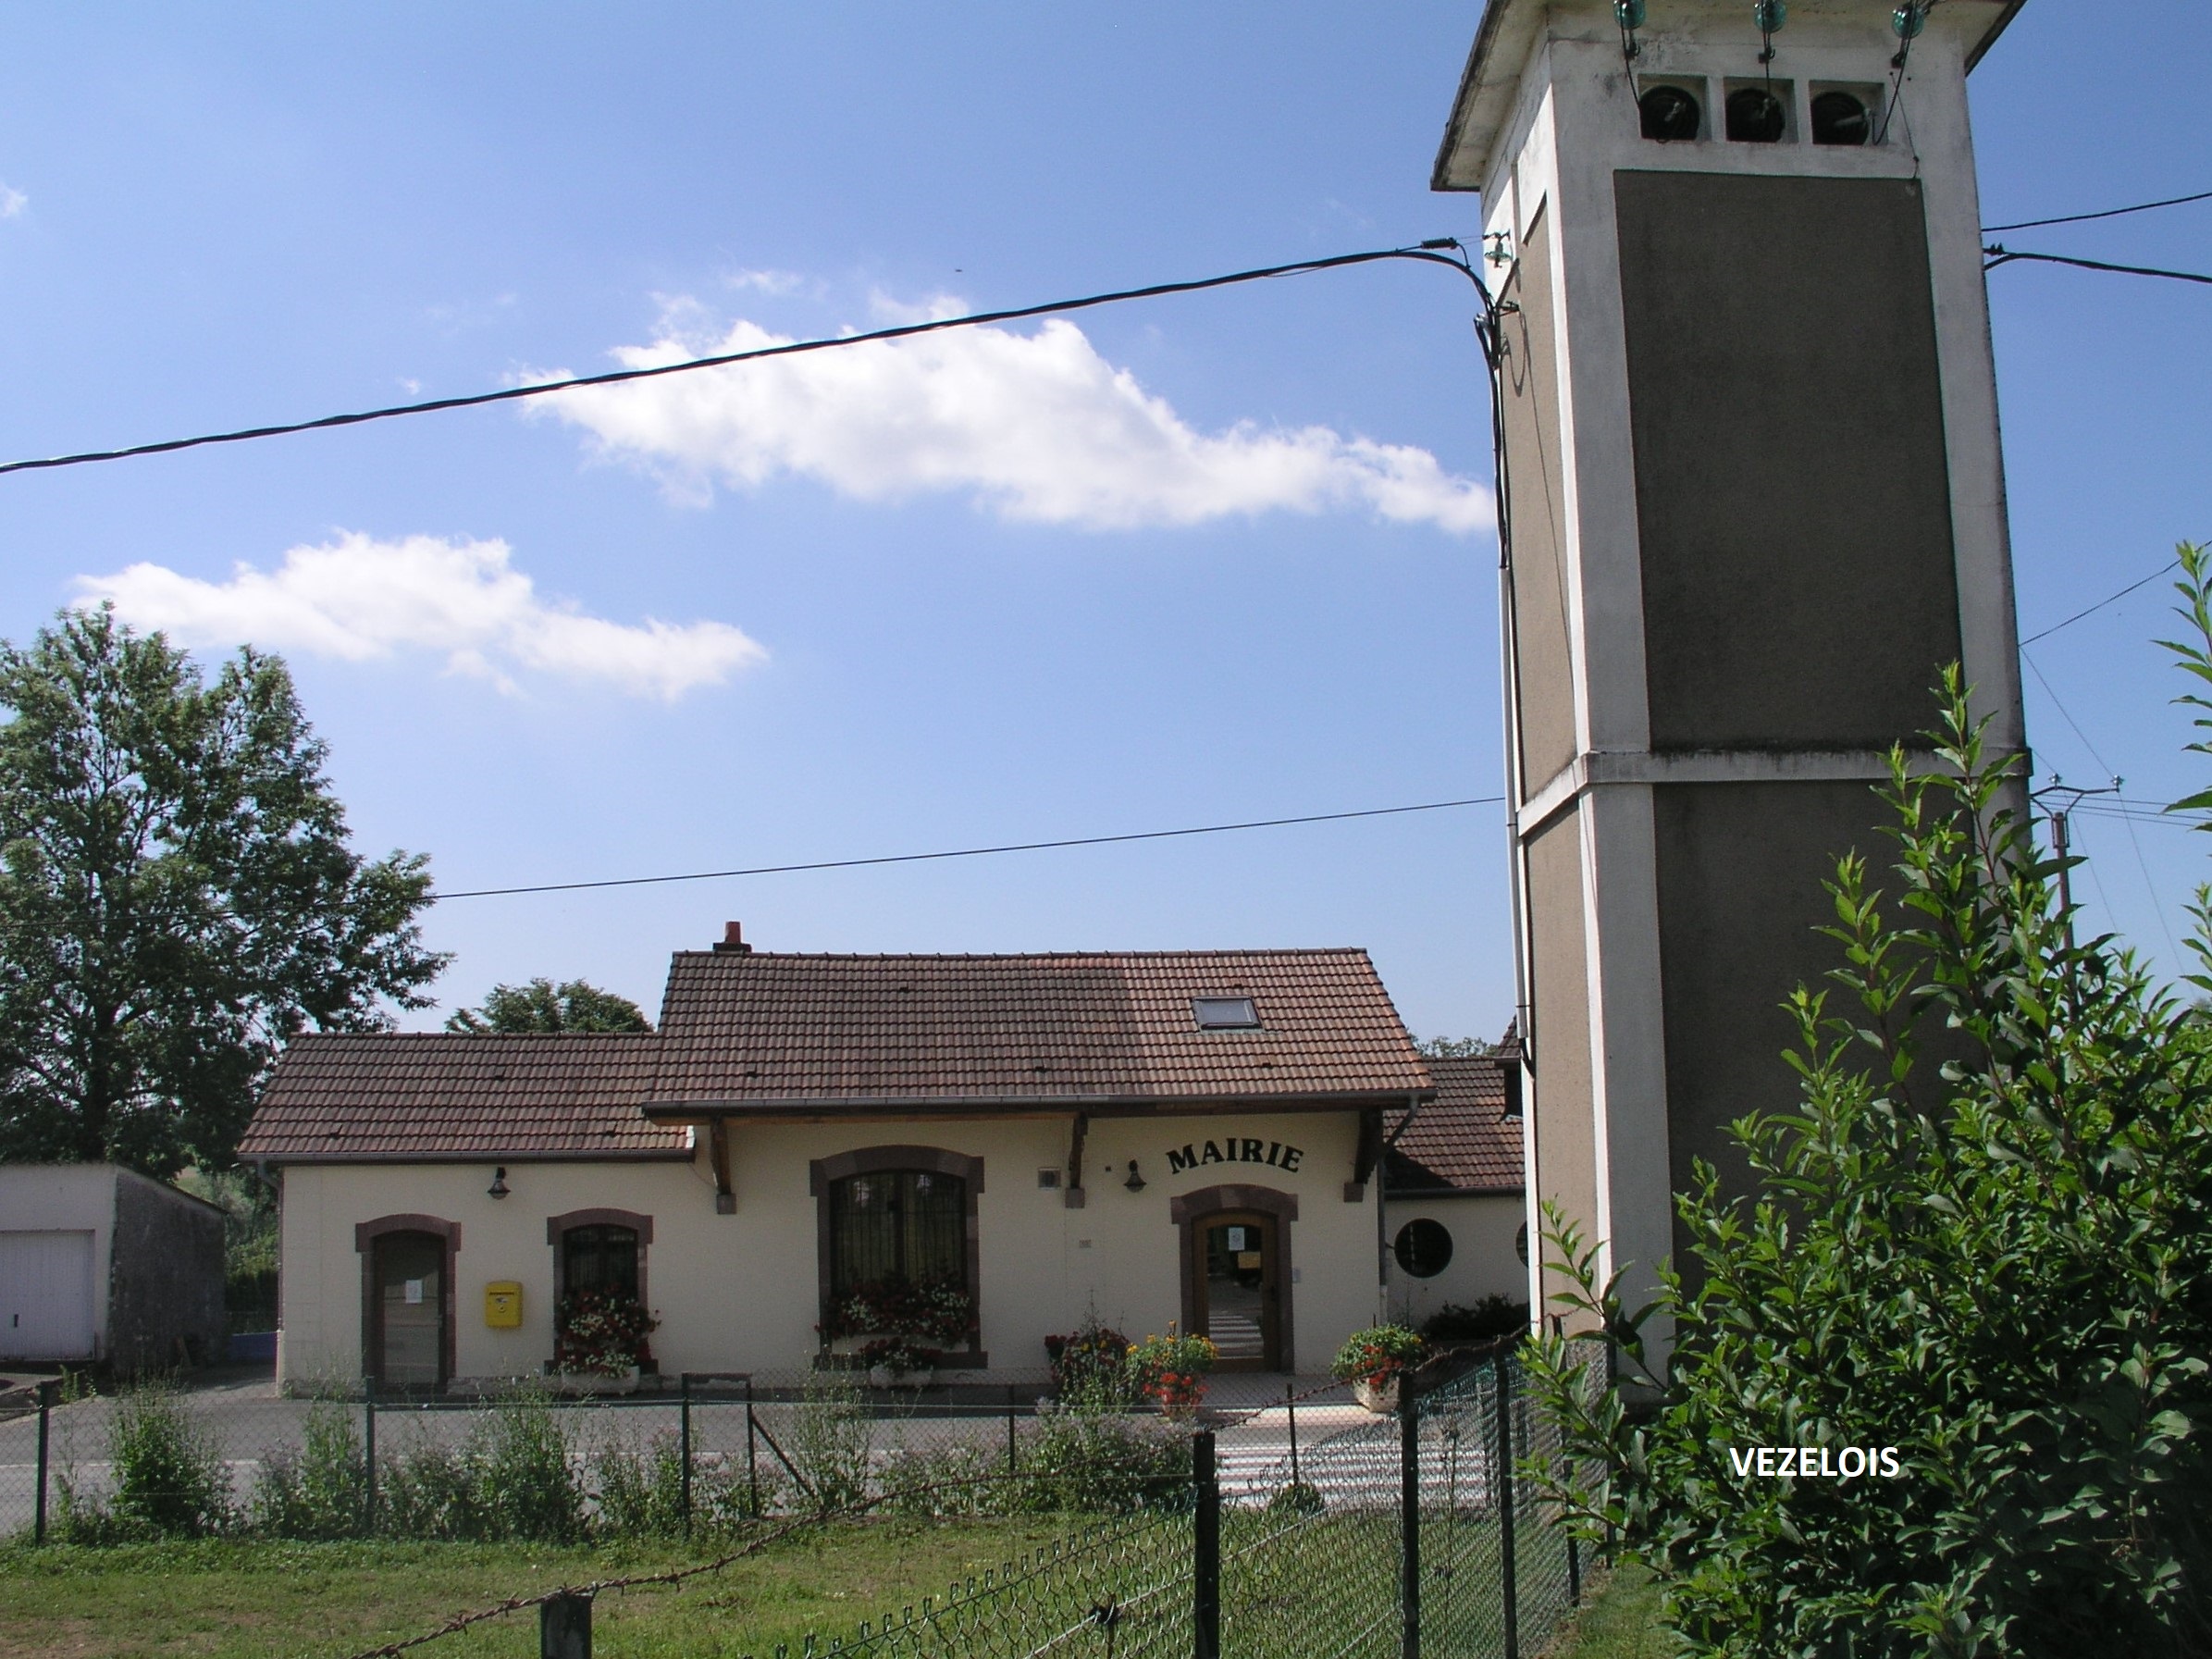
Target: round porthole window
column 1521, row 1243
column 1755, row 117
column 1670, row 114
column 1839, row 119
column 1424, row 1248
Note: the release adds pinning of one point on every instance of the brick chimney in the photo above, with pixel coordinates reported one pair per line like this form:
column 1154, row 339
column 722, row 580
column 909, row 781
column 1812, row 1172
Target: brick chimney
column 733, row 940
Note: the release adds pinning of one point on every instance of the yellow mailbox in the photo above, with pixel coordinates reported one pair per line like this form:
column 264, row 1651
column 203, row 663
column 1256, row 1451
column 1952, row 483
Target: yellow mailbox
column 503, row 1304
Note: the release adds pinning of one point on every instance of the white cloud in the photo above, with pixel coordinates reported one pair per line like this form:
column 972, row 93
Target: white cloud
column 775, row 284
column 1038, row 425
column 12, row 200
column 359, row 599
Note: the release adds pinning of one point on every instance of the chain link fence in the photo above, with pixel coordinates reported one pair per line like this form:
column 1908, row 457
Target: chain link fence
column 1302, row 1528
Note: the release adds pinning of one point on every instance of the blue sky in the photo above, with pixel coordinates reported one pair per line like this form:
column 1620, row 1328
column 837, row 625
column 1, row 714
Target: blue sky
column 1206, row 559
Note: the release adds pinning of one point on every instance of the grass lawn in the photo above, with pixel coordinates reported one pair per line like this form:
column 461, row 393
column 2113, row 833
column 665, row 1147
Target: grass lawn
column 1620, row 1621
column 262, row 1600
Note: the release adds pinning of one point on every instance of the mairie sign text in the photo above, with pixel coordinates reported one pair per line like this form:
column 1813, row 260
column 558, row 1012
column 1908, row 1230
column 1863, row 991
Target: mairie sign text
column 1272, row 1153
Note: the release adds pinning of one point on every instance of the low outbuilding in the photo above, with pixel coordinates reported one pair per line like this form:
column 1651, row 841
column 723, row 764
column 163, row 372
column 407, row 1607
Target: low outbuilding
column 101, row 1264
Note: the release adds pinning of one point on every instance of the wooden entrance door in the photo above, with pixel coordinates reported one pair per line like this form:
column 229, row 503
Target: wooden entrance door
column 1237, row 1296
column 407, row 1311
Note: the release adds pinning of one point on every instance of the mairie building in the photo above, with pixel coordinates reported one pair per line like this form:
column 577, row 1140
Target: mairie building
column 1143, row 1137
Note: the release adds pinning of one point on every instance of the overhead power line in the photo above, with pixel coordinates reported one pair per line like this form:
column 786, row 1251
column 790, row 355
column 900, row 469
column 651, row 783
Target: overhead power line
column 2107, row 600
column 971, row 853
column 1997, row 253
column 2109, row 213
column 1430, row 252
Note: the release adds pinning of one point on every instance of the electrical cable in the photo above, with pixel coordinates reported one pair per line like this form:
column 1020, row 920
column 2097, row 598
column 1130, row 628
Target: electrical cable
column 2109, row 213
column 1996, row 254
column 1430, row 252
column 2108, row 599
column 968, row 852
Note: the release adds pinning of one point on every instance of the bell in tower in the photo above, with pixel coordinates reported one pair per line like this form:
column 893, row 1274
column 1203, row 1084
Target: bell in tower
column 1755, row 505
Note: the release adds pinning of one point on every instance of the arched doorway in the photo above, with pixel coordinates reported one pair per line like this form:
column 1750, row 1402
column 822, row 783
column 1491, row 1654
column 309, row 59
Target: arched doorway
column 407, row 1301
column 1237, row 1278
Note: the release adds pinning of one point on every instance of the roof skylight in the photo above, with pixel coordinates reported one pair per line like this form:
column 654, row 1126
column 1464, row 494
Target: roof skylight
column 1225, row 1013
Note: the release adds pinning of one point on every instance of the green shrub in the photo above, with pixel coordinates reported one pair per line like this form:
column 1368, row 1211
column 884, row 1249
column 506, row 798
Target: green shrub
column 1489, row 1317
column 322, row 1490
column 170, row 1480
column 640, row 1488
column 2000, row 1266
column 1082, row 1458
column 528, row 1482
column 944, row 1482
column 831, row 1443
column 427, row 1490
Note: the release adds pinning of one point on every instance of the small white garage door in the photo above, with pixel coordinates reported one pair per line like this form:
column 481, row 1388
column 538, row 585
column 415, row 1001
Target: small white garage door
column 45, row 1296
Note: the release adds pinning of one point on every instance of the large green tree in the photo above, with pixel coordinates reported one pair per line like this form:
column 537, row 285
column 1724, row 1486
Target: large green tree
column 542, row 1005
column 178, row 897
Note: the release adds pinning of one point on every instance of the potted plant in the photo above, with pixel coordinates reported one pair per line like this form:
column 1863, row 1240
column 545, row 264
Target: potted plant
column 914, row 1318
column 896, row 1362
column 1092, row 1362
column 1372, row 1361
column 598, row 1340
column 1171, row 1369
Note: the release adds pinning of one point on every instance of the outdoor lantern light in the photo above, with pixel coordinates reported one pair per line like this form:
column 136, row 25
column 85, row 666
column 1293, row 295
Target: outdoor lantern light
column 1135, row 1181
column 1670, row 114
column 497, row 1188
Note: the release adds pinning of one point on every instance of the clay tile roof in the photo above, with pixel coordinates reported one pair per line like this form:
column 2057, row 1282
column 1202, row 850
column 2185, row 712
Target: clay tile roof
column 406, row 1096
column 766, row 1030
column 1462, row 1140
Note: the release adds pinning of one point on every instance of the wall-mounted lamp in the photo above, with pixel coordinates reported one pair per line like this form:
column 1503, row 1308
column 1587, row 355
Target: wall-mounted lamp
column 497, row 1188
column 1135, row 1181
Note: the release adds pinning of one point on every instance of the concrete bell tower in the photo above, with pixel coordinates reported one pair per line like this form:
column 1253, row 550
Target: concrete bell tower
column 1756, row 502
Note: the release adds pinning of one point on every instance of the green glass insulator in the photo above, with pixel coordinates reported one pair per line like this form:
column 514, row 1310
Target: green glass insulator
column 1768, row 16
column 1907, row 22
column 1629, row 13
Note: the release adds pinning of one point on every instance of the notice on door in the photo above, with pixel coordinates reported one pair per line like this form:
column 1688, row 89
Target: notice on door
column 410, row 1291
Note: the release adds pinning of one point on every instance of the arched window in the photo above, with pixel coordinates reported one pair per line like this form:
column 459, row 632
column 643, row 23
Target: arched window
column 906, row 1226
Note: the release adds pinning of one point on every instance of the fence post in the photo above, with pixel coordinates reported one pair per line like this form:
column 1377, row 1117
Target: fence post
column 1409, row 1517
column 1290, row 1405
column 38, row 1526
column 1205, row 1576
column 684, row 1448
column 1013, row 1457
column 368, row 1445
column 1508, row 1589
column 564, row 1626
column 752, row 1451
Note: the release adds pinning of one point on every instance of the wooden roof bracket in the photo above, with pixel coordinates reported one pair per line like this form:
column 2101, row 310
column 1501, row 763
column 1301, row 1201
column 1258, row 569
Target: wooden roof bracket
column 1368, row 1154
column 1072, row 1194
column 717, row 1153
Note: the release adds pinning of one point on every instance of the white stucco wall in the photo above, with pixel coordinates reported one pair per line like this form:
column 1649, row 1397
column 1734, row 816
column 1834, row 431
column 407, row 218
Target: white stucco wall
column 67, row 1198
column 739, row 1292
column 1484, row 1262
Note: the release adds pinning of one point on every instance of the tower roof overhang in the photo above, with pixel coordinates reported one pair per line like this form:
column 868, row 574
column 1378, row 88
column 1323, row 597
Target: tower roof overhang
column 1509, row 31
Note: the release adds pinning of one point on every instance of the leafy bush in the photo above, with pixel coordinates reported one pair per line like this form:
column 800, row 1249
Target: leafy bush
column 1377, row 1355
column 831, row 1440
column 2000, row 1266
column 531, row 1486
column 170, row 1480
column 640, row 1490
column 322, row 1490
column 945, row 1481
column 515, row 1476
column 1095, row 1461
column 1492, row 1316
